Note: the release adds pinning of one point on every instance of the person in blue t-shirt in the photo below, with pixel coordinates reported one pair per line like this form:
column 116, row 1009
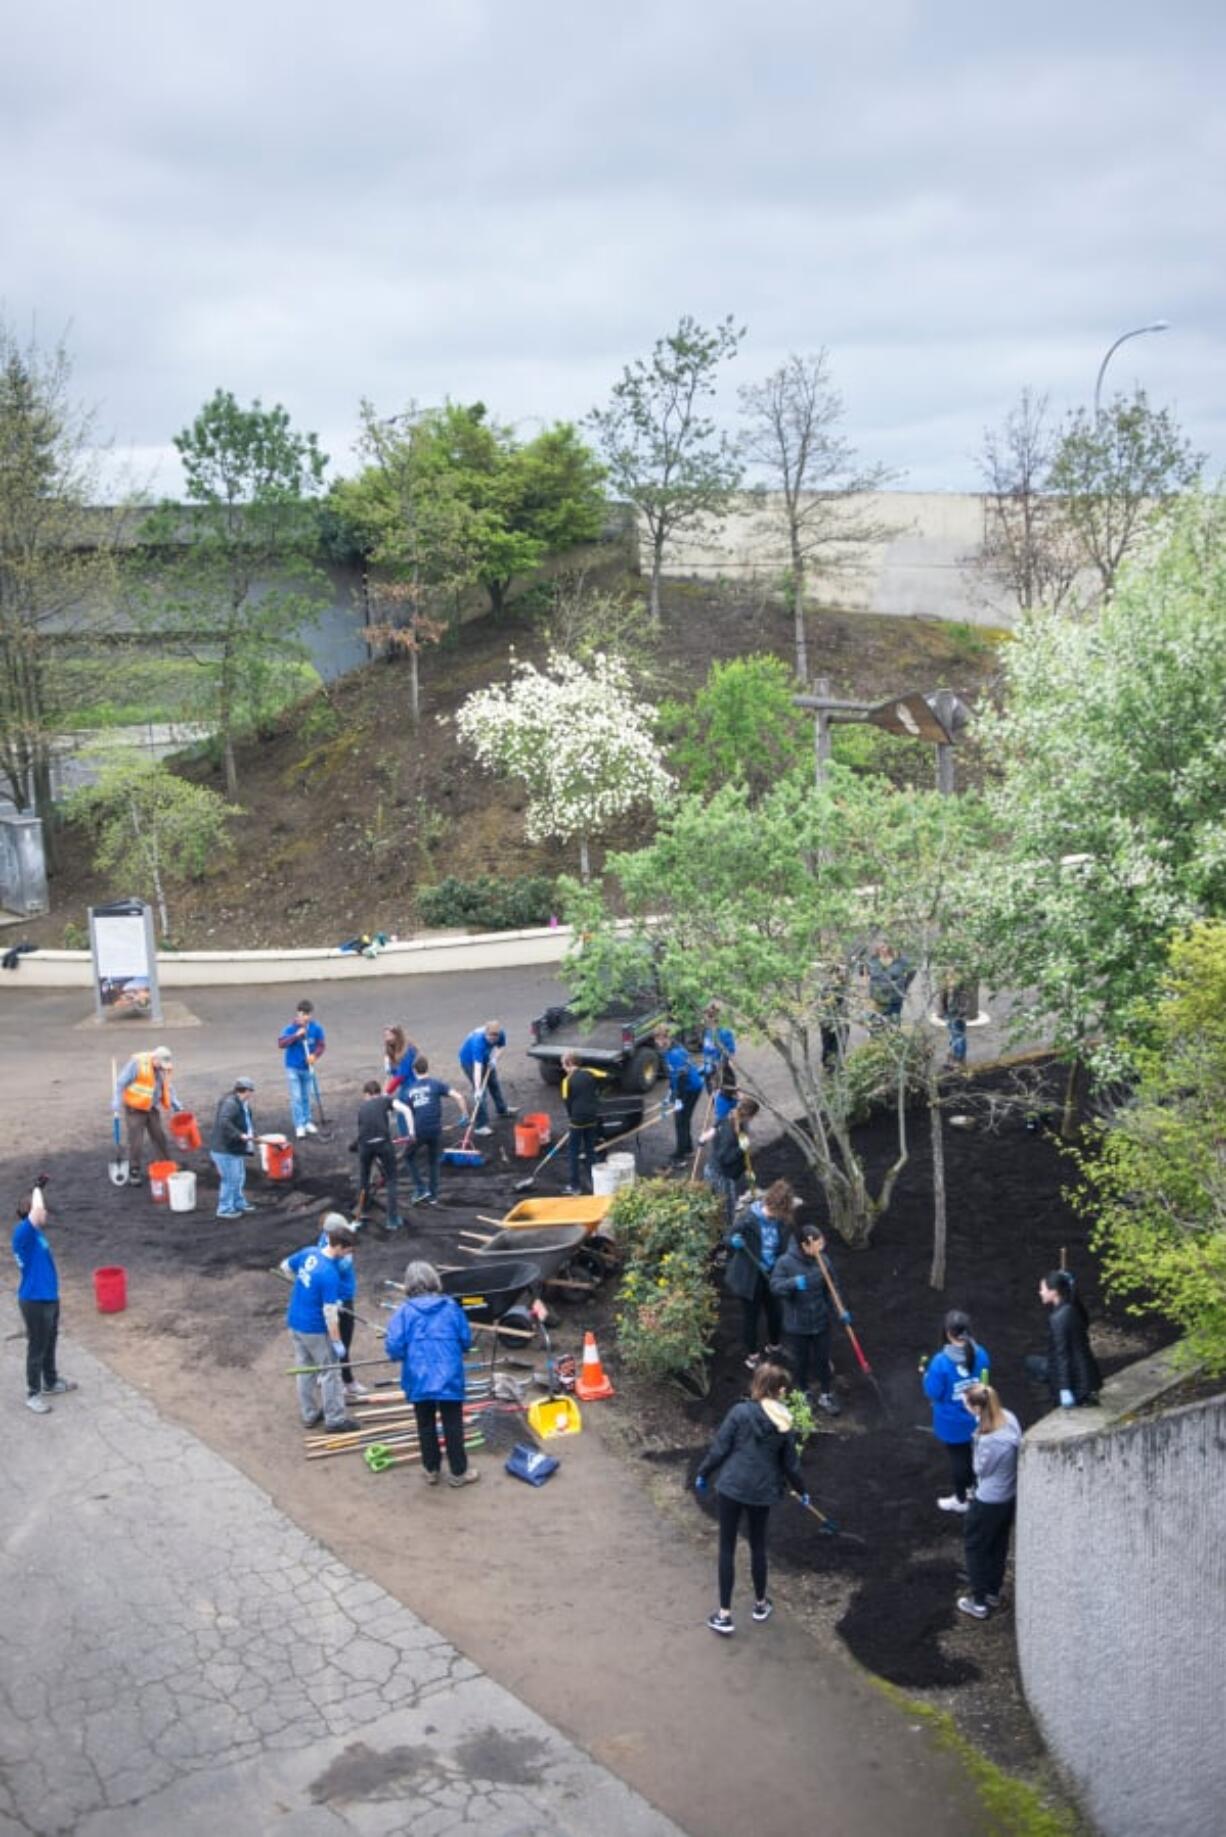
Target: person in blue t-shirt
column 479, row 1063
column 947, row 1376
column 346, row 1318
column 303, row 1043
column 424, row 1096
column 38, row 1297
column 313, row 1318
column 718, row 1052
column 685, row 1086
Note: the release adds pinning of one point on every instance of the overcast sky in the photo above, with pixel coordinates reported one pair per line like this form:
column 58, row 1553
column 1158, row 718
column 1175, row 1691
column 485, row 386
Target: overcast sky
column 509, row 199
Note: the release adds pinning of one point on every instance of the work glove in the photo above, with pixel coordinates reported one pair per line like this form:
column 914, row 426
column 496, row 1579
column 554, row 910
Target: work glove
column 1067, row 1400
column 678, row 1106
column 804, row 1498
column 700, row 1484
column 845, row 1317
column 742, row 1142
column 801, row 1283
column 338, row 1350
column 737, row 1241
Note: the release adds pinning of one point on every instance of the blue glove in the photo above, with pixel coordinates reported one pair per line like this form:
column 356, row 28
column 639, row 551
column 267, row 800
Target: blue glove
column 338, row 1350
column 700, row 1484
column 737, row 1241
column 845, row 1317
column 1067, row 1400
column 802, row 1282
column 804, row 1498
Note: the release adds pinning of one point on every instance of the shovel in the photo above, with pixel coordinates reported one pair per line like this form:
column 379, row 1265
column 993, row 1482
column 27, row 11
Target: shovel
column 117, row 1166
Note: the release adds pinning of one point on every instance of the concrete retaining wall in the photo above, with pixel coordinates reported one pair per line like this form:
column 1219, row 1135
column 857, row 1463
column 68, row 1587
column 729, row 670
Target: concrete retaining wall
column 1121, row 1606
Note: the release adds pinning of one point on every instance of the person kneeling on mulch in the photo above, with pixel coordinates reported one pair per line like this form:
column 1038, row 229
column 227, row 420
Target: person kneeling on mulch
column 429, row 1333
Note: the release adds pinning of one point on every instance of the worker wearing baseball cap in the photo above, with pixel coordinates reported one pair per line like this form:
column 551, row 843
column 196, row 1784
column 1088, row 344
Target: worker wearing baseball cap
column 143, row 1090
column 232, row 1140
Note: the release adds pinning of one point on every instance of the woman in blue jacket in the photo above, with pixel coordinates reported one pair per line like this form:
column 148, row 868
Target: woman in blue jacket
column 430, row 1334
column 949, row 1374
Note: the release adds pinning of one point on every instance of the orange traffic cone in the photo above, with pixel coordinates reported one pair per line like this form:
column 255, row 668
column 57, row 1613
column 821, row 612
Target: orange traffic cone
column 591, row 1383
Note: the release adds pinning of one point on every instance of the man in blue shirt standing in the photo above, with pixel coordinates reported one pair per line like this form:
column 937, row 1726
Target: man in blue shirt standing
column 718, row 1052
column 313, row 1318
column 685, row 1084
column 38, row 1297
column 303, row 1043
column 479, row 1063
column 424, row 1096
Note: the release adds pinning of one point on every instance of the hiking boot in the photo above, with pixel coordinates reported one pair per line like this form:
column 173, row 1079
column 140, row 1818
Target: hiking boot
column 976, row 1609
column 469, row 1477
column 39, row 1405
column 763, row 1609
column 344, row 1425
column 830, row 1403
column 60, row 1388
column 720, row 1622
column 952, row 1503
column 430, row 1476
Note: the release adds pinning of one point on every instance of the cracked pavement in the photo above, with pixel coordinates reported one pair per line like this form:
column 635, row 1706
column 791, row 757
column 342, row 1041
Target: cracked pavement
column 180, row 1657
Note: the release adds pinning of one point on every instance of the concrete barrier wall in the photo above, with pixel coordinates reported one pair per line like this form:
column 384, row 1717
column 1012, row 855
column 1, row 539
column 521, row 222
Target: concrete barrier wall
column 1121, row 1609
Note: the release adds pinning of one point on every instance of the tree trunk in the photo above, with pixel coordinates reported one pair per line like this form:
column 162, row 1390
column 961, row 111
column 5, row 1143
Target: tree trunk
column 585, row 865
column 1072, row 1101
column 230, row 765
column 44, row 806
column 414, row 687
column 798, row 617
column 657, row 568
column 936, row 1275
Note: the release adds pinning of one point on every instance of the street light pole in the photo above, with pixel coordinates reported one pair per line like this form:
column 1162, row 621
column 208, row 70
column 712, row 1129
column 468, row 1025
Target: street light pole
column 1138, row 331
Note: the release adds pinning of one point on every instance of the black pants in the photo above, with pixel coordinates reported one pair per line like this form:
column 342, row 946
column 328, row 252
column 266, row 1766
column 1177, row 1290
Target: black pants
column 385, row 1155
column 432, row 1144
column 681, row 1123
column 961, row 1467
column 756, row 1517
column 453, row 1434
column 581, row 1148
column 809, row 1357
column 42, row 1320
column 987, row 1546
column 760, row 1300
column 346, row 1322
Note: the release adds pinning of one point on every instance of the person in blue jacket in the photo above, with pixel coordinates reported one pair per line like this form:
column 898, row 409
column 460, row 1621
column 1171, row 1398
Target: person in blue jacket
column 718, row 1052
column 685, row 1086
column 38, row 1297
column 757, row 1242
column 479, row 1063
column 424, row 1096
column 303, row 1043
column 313, row 1319
column 429, row 1333
column 947, row 1376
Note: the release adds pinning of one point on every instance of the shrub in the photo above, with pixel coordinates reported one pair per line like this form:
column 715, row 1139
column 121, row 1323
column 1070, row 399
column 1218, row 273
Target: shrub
column 667, row 1304
column 488, row 903
column 872, row 1073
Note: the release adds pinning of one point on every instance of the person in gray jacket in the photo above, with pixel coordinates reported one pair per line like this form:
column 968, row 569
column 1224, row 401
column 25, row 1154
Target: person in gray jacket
column 797, row 1281
column 989, row 1521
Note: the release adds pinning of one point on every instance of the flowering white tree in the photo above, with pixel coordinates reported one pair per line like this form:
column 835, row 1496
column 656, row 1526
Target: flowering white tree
column 577, row 737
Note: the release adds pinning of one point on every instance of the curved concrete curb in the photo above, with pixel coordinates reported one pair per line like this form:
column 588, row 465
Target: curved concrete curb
column 206, row 969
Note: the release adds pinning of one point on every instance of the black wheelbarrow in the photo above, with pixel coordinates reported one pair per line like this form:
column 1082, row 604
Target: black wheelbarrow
column 498, row 1293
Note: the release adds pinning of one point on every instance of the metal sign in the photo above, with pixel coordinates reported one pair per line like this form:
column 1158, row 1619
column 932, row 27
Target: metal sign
column 124, row 955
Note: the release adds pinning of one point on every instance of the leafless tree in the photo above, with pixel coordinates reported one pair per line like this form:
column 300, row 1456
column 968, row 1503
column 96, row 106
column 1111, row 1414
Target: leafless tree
column 1030, row 549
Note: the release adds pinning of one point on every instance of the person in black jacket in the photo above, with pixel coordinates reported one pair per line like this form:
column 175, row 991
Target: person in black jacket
column 754, row 1453
column 1070, row 1370
column 729, row 1157
column 376, row 1143
column 756, row 1244
column 797, row 1281
column 581, row 1095
column 232, row 1140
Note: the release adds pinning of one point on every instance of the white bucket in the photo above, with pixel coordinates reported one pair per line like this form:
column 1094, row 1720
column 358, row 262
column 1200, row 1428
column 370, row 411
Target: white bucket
column 623, row 1166
column 604, row 1178
column 181, row 1190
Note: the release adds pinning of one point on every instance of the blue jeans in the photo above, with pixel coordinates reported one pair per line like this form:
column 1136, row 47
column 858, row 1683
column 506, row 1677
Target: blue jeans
column 493, row 1089
column 233, row 1172
column 298, row 1079
column 432, row 1144
column 956, row 1026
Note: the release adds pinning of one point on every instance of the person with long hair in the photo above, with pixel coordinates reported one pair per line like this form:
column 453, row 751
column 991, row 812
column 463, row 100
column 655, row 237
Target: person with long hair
column 959, row 1364
column 995, row 1443
column 729, row 1159
column 1070, row 1370
column 756, row 1244
column 754, row 1456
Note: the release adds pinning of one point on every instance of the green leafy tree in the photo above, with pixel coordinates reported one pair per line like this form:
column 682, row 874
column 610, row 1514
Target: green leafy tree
column 152, row 829
column 233, row 574
column 663, row 452
column 817, row 519
column 741, row 727
column 1114, row 472
column 769, row 908
column 1156, row 1180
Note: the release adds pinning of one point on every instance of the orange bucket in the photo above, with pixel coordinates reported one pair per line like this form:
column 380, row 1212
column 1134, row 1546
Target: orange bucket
column 159, row 1174
column 527, row 1141
column 185, row 1130
column 279, row 1160
column 543, row 1126
column 111, row 1289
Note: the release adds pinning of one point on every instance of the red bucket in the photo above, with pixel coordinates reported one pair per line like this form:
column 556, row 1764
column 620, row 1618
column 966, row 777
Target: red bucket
column 159, row 1174
column 542, row 1124
column 279, row 1160
column 527, row 1141
column 111, row 1289
column 185, row 1130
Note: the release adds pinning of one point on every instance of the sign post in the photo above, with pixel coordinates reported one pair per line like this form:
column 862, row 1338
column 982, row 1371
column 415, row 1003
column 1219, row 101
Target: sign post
column 121, row 943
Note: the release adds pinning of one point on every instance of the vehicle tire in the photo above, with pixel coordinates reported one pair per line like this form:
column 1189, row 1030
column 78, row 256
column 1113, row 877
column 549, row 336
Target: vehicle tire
column 550, row 1070
column 642, row 1072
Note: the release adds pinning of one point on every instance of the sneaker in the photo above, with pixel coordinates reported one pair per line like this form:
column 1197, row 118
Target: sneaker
column 344, row 1425
column 309, row 1129
column 469, row 1477
column 355, row 1392
column 762, row 1610
column 512, row 1109
column 431, row 1199
column 976, row 1609
column 994, row 1600
column 753, row 1361
column 483, row 1130
column 231, row 1215
column 135, row 1177
column 719, row 1622
column 431, row 1478
column 419, row 1199
column 830, row 1403
column 60, row 1388
column 571, row 1192
column 313, row 1422
column 300, row 1134
column 952, row 1503
column 247, row 1206
column 39, row 1405
column 395, row 1222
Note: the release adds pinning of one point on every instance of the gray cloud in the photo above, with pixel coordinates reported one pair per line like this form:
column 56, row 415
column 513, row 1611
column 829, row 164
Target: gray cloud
column 479, row 199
